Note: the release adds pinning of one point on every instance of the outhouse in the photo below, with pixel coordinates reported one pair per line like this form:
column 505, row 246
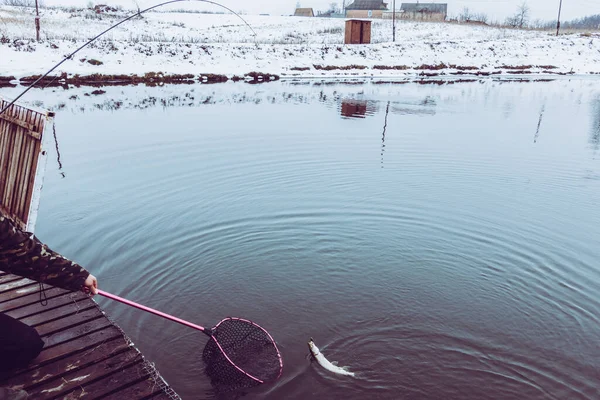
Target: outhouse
column 358, row 32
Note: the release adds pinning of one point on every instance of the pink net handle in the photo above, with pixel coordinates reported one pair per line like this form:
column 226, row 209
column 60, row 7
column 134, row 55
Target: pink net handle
column 152, row 311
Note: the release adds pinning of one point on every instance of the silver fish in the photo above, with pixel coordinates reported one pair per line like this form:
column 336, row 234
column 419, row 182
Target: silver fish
column 329, row 366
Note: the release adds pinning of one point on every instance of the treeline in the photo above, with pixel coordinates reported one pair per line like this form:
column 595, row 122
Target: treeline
column 522, row 19
column 589, row 22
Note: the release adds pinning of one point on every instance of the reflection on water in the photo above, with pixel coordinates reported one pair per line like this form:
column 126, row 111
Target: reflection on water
column 595, row 130
column 467, row 268
column 348, row 95
column 60, row 166
column 358, row 108
column 387, row 111
column 537, row 132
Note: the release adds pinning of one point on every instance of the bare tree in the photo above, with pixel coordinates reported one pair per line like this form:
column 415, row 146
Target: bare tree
column 511, row 22
column 521, row 18
column 541, row 24
column 465, row 15
column 522, row 15
column 481, row 17
column 137, row 7
column 334, row 7
column 20, row 3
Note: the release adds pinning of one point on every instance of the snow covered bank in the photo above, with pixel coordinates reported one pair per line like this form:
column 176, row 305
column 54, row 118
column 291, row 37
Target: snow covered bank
column 186, row 43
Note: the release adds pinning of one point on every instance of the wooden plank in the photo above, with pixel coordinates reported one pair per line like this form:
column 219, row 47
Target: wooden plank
column 19, row 174
column 14, row 111
column 32, row 299
column 348, row 33
column 101, row 376
column 85, row 354
column 367, row 33
column 40, row 119
column 67, row 298
column 31, row 183
column 159, row 395
column 355, row 32
column 8, row 278
column 6, row 287
column 30, row 129
column 117, row 381
column 16, row 293
column 58, row 312
column 69, row 321
column 31, row 165
column 7, row 145
column 24, row 179
column 75, row 362
column 18, row 190
column 12, row 172
column 76, row 332
column 86, row 342
column 144, row 388
column 4, row 139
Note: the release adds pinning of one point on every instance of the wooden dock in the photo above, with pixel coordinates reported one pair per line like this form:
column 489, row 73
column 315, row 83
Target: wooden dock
column 85, row 356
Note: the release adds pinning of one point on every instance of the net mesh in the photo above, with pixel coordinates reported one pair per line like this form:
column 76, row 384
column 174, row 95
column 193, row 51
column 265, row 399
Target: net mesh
column 241, row 354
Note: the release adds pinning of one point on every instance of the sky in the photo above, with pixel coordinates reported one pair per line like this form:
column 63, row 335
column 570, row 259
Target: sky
column 496, row 9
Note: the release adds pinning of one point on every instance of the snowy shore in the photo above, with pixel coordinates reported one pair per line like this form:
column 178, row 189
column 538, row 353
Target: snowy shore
column 191, row 43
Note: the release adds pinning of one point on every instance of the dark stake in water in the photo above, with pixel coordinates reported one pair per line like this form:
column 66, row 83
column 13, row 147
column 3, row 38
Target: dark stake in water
column 442, row 241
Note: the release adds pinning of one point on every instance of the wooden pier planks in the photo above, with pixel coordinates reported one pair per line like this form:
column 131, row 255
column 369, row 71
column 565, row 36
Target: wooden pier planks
column 86, row 356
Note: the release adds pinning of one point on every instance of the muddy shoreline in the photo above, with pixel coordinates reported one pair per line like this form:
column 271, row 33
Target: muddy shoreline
column 66, row 80
column 150, row 79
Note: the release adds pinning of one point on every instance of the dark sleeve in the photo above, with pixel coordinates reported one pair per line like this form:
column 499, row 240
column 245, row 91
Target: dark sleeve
column 23, row 254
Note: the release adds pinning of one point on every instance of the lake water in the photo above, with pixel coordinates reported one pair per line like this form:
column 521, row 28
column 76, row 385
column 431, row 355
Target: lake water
column 442, row 241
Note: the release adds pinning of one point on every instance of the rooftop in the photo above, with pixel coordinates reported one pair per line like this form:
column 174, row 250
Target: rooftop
column 425, row 7
column 367, row 5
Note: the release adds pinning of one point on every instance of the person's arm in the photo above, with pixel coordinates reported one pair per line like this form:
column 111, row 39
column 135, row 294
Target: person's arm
column 23, row 254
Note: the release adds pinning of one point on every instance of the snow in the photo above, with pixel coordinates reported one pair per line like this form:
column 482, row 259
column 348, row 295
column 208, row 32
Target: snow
column 178, row 43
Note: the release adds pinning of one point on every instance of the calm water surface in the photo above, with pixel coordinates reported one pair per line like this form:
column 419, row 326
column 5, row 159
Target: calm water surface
column 440, row 240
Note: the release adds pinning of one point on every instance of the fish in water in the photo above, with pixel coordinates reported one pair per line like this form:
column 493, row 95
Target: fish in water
column 317, row 355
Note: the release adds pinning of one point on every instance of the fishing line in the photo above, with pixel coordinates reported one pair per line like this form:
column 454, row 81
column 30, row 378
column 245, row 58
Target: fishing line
column 51, row 82
column 70, row 56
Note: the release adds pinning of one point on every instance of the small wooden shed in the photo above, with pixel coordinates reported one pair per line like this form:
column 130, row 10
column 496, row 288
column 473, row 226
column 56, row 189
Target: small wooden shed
column 358, row 31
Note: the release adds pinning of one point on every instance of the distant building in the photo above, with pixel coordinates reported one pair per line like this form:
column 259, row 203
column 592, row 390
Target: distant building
column 366, row 9
column 330, row 14
column 326, row 14
column 304, row 12
column 424, row 11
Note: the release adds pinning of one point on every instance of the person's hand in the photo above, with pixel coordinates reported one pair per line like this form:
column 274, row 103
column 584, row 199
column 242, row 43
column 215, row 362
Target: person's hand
column 91, row 285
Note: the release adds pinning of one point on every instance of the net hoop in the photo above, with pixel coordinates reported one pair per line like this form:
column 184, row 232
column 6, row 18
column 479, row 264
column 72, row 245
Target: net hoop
column 224, row 353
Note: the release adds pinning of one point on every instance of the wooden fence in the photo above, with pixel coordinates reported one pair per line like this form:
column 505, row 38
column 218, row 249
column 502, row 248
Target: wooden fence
column 22, row 162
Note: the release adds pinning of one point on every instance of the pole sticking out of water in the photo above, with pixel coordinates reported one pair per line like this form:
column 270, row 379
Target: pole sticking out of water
column 394, row 21
column 558, row 21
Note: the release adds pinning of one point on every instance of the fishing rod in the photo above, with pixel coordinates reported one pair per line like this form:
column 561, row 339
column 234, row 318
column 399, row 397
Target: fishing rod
column 70, row 56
